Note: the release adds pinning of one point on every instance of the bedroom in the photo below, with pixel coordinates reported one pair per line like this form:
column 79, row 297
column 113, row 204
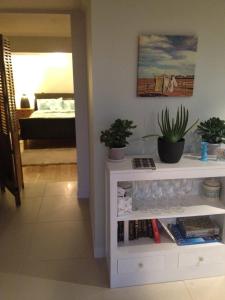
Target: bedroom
column 42, row 63
column 37, row 75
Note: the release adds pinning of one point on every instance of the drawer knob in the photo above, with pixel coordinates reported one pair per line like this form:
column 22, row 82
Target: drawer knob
column 140, row 265
column 200, row 258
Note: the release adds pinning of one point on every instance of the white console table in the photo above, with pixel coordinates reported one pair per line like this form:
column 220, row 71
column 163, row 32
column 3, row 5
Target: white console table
column 143, row 261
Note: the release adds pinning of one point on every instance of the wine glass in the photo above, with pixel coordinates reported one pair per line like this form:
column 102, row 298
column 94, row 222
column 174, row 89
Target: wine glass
column 140, row 195
column 181, row 195
column 158, row 197
column 135, row 195
column 187, row 188
column 166, row 188
column 171, row 196
column 147, row 193
column 154, row 196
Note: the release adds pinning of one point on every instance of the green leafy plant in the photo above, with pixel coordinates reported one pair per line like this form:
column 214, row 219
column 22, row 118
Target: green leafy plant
column 173, row 130
column 116, row 136
column 212, row 130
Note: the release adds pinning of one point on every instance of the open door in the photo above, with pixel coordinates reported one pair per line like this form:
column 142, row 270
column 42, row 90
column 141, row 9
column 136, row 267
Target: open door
column 11, row 176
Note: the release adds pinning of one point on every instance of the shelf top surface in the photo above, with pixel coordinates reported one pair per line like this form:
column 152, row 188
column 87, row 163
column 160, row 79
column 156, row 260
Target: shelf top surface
column 195, row 210
column 139, row 247
column 188, row 162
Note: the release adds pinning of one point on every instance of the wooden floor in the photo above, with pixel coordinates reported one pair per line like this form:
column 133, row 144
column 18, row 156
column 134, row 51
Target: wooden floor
column 50, row 173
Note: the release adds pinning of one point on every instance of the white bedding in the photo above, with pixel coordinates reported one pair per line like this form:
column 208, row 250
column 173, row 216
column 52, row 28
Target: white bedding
column 47, row 114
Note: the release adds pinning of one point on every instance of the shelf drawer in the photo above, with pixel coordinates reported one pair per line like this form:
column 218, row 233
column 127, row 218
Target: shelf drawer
column 143, row 264
column 202, row 257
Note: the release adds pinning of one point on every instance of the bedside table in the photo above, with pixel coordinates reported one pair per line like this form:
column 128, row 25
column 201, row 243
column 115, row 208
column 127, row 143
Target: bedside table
column 23, row 112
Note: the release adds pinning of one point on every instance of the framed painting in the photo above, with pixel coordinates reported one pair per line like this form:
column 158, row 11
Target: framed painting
column 166, row 65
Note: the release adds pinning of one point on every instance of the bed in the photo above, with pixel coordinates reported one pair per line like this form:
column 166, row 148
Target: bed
column 53, row 118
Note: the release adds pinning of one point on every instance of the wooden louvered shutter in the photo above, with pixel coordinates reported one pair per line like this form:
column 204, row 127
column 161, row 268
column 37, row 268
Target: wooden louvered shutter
column 11, row 176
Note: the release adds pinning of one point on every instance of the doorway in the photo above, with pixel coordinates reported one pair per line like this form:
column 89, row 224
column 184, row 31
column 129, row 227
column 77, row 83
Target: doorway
column 42, row 63
column 50, row 235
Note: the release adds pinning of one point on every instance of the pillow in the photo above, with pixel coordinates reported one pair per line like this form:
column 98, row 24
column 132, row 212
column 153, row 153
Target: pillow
column 69, row 105
column 50, row 104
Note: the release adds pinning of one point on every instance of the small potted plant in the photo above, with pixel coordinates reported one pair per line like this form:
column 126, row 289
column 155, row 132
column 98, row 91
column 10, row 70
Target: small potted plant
column 115, row 138
column 212, row 132
column 171, row 142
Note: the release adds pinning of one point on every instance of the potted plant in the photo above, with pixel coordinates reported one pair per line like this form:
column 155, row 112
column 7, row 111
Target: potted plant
column 115, row 138
column 212, row 132
column 171, row 143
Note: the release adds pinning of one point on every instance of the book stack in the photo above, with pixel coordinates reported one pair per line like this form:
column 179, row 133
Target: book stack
column 195, row 230
column 138, row 229
column 201, row 226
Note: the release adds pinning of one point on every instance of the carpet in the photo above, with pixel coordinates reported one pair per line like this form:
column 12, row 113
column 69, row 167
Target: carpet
column 51, row 156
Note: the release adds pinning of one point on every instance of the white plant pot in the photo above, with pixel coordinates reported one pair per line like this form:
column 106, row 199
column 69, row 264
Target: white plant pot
column 117, row 153
column 212, row 148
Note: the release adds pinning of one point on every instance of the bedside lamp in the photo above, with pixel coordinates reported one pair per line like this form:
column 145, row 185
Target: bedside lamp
column 24, row 102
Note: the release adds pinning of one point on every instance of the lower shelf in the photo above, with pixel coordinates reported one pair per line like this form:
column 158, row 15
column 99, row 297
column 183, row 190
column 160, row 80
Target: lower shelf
column 140, row 264
column 147, row 246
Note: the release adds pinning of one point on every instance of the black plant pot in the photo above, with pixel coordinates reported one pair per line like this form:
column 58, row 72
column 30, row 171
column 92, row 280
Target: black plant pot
column 170, row 152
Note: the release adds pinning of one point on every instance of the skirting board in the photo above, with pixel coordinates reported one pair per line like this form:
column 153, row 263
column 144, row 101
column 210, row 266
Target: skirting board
column 99, row 252
column 83, row 191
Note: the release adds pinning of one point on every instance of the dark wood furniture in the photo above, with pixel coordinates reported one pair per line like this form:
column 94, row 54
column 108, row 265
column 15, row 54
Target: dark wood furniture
column 11, row 176
column 23, row 112
column 51, row 128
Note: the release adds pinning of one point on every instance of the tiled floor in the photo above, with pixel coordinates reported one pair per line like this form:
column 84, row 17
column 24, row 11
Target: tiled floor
column 46, row 253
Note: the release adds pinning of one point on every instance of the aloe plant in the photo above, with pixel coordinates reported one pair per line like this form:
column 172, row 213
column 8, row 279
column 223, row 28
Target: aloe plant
column 173, row 129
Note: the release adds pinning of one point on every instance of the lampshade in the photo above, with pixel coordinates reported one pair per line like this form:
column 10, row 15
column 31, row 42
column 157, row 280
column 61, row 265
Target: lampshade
column 24, row 101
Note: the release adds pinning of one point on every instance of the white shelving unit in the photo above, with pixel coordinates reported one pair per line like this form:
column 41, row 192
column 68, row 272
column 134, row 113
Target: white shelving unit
column 143, row 261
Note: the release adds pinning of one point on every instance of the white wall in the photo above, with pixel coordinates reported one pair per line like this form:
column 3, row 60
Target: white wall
column 78, row 31
column 42, row 73
column 115, row 26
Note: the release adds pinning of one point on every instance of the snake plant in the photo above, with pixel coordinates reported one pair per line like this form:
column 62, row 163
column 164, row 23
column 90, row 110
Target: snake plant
column 173, row 129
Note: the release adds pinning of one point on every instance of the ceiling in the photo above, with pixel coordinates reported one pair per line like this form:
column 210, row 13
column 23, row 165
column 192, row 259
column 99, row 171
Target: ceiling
column 37, row 18
column 42, row 25
column 20, row 5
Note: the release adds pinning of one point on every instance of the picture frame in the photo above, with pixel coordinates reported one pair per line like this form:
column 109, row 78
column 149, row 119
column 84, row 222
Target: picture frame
column 166, row 65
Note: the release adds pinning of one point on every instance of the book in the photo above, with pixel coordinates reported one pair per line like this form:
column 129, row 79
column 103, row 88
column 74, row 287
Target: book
column 139, row 228
column 149, row 228
column 136, row 233
column 131, row 230
column 144, row 228
column 120, row 231
column 155, row 229
column 182, row 241
column 201, row 226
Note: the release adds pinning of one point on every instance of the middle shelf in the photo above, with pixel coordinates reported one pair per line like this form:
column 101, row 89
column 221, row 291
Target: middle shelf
column 191, row 206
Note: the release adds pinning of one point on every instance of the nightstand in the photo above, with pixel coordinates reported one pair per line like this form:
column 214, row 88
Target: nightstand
column 23, row 112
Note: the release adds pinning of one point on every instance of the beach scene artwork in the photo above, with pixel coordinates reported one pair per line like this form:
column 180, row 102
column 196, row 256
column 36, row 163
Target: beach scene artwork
column 166, row 65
